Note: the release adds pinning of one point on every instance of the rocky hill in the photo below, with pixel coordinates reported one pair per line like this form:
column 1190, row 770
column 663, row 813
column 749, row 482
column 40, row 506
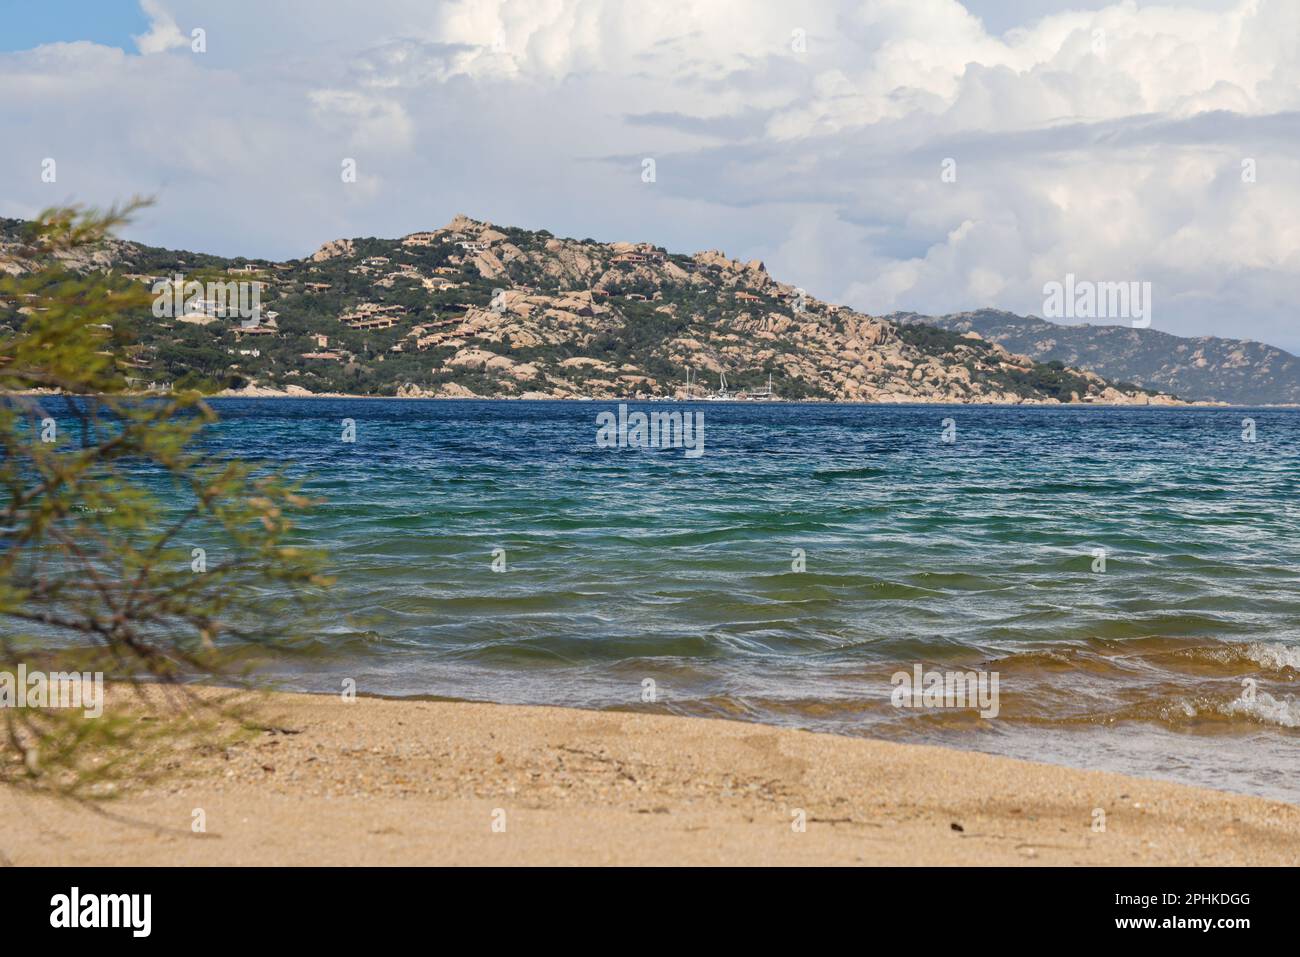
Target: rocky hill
column 1206, row 368
column 473, row 309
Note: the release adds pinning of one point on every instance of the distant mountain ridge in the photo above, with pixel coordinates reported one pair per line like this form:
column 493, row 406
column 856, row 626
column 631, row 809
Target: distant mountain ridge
column 473, row 309
column 1203, row 368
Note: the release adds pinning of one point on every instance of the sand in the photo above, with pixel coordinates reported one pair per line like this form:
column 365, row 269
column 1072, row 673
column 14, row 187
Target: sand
column 428, row 782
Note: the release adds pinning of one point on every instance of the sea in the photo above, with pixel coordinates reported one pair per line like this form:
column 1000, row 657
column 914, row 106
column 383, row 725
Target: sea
column 1130, row 575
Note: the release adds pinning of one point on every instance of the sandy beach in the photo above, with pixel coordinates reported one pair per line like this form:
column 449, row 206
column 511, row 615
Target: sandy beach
column 379, row 781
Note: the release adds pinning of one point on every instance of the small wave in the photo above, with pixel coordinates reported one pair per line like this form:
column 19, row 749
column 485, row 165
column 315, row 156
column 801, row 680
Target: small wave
column 830, row 475
column 956, row 581
column 1274, row 656
column 1264, row 708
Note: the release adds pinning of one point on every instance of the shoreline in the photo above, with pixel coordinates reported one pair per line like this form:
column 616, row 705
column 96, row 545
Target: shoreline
column 269, row 394
column 262, row 393
column 418, row 781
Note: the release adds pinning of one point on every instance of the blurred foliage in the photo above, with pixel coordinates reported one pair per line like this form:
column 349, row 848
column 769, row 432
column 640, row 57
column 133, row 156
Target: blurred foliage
column 128, row 544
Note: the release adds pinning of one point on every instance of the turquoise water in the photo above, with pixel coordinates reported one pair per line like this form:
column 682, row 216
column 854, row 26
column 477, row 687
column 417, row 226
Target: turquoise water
column 623, row 565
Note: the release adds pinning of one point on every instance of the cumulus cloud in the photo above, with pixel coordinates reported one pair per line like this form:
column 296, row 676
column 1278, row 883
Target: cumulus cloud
column 163, row 33
column 1107, row 142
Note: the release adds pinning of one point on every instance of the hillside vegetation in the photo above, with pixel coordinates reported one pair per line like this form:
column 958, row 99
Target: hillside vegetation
column 473, row 309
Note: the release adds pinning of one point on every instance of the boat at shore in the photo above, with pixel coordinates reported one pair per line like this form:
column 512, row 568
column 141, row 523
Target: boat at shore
column 722, row 395
column 762, row 395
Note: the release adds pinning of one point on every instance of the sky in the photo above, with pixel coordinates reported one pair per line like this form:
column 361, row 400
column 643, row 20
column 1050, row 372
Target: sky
column 932, row 156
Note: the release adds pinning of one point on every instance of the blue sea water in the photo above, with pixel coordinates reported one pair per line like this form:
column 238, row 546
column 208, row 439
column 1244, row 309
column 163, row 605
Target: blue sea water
column 1179, row 660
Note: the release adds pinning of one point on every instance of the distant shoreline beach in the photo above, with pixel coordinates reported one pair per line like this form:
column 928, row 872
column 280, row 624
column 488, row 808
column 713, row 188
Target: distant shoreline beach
column 262, row 393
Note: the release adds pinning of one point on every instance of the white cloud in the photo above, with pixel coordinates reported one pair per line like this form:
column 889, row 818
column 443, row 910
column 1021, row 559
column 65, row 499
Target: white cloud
column 361, row 119
column 163, row 33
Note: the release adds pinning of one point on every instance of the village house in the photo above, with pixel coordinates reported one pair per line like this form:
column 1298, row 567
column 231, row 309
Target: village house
column 440, row 324
column 641, row 256
column 375, row 308
column 377, row 322
column 420, row 239
column 205, row 307
column 372, row 315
